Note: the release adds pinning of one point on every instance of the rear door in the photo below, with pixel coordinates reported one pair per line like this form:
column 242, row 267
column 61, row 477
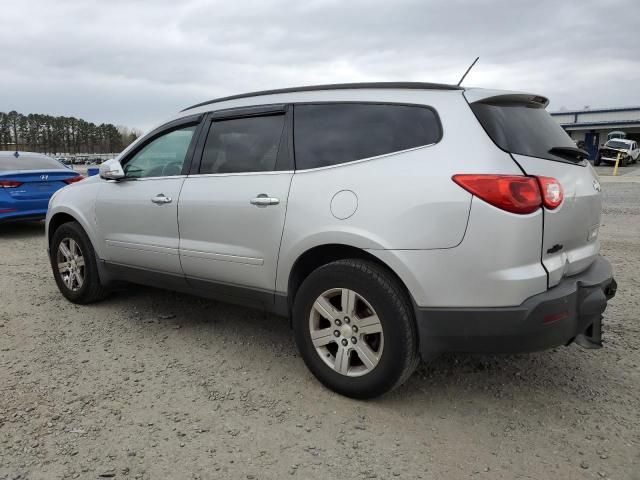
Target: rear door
column 520, row 125
column 232, row 207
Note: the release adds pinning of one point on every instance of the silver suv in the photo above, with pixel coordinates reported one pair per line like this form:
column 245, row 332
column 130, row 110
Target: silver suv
column 388, row 221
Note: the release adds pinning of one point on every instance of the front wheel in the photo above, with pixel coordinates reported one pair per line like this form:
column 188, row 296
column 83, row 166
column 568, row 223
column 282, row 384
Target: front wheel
column 355, row 328
column 73, row 261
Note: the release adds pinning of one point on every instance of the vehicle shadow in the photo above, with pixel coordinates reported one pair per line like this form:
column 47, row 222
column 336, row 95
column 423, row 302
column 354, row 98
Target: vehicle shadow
column 21, row 230
column 440, row 382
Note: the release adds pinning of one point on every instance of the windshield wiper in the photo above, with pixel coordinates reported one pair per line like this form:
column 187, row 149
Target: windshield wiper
column 572, row 153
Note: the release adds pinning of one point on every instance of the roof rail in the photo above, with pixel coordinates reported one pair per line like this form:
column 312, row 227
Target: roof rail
column 336, row 86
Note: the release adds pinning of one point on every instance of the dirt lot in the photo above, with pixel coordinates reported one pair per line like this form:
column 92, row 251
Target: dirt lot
column 155, row 385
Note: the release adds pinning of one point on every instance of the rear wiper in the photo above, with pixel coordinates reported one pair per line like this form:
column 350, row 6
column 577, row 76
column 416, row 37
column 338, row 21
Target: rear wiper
column 573, row 153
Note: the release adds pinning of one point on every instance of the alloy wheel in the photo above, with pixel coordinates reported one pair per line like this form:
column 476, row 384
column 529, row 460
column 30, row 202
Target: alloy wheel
column 346, row 332
column 71, row 265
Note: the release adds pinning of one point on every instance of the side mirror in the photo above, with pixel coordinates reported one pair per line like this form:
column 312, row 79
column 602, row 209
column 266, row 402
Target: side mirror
column 111, row 170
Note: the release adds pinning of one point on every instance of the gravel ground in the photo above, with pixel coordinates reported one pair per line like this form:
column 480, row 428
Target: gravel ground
column 156, row 385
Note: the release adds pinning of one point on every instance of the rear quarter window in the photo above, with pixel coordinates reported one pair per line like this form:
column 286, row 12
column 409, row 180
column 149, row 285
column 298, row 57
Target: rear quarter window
column 331, row 134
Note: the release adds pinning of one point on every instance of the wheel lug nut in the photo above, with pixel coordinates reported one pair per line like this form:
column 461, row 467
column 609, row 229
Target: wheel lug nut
column 338, row 322
column 346, row 320
column 355, row 329
column 353, row 340
column 344, row 342
column 336, row 333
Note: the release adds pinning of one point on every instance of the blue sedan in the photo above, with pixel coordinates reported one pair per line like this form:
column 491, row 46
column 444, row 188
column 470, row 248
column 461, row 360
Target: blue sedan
column 27, row 182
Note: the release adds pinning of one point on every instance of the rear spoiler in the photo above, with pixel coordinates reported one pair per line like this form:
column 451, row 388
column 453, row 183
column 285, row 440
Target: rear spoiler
column 481, row 95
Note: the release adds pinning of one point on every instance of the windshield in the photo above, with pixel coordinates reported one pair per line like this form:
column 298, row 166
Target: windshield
column 25, row 162
column 522, row 128
column 616, row 144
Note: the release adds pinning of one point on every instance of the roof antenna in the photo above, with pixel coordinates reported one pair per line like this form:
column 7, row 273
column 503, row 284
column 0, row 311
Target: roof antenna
column 468, row 70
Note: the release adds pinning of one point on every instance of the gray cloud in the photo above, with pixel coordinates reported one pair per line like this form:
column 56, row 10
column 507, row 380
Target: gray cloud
column 136, row 62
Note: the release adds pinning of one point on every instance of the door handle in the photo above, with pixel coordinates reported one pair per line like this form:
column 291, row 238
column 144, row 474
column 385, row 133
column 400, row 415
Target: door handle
column 160, row 199
column 263, row 200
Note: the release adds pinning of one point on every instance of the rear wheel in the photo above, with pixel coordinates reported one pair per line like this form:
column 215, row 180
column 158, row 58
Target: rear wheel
column 598, row 160
column 355, row 329
column 73, row 261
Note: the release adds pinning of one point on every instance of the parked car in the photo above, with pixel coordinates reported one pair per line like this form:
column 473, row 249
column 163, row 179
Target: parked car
column 350, row 209
column 627, row 149
column 27, row 181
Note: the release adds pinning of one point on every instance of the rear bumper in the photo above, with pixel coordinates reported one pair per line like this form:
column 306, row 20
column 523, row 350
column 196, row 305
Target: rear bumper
column 31, row 215
column 556, row 317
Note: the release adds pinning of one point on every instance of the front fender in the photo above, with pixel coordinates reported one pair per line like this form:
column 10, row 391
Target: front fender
column 77, row 201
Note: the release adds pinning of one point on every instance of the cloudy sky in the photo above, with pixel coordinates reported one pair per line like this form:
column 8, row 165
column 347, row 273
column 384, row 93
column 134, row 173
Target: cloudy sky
column 135, row 62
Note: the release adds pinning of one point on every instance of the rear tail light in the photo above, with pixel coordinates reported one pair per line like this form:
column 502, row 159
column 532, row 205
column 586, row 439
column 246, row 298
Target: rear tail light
column 71, row 180
column 513, row 193
column 551, row 190
column 9, row 184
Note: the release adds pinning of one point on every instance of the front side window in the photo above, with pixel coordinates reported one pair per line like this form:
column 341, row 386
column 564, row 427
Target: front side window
column 330, row 134
column 162, row 157
column 240, row 145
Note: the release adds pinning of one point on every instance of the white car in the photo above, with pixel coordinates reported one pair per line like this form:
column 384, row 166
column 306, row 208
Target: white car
column 627, row 148
column 350, row 209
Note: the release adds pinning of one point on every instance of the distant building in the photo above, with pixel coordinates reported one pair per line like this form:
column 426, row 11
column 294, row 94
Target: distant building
column 593, row 125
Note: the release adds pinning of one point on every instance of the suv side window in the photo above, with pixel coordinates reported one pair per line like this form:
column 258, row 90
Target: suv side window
column 247, row 144
column 162, row 157
column 330, row 134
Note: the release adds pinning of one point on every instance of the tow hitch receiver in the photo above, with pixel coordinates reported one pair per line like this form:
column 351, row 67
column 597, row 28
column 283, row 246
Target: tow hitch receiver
column 592, row 336
column 591, row 304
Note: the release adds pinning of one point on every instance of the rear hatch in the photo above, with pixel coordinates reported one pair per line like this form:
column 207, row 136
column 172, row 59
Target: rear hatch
column 519, row 124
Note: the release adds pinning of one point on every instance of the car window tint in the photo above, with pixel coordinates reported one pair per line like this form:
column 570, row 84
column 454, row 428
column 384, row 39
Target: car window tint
column 523, row 128
column 329, row 134
column 162, row 157
column 27, row 162
column 242, row 145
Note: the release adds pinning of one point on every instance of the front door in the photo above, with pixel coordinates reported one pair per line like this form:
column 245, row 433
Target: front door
column 137, row 216
column 232, row 209
column 591, row 144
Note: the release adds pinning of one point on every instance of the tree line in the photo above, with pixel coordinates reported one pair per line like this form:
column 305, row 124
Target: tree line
column 56, row 135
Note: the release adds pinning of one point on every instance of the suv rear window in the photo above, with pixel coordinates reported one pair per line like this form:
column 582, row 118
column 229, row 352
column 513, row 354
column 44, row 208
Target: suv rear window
column 329, row 134
column 525, row 129
column 25, row 162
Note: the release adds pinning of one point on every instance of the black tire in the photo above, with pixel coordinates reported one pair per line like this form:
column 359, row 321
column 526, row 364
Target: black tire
column 91, row 289
column 598, row 160
column 398, row 358
column 623, row 162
